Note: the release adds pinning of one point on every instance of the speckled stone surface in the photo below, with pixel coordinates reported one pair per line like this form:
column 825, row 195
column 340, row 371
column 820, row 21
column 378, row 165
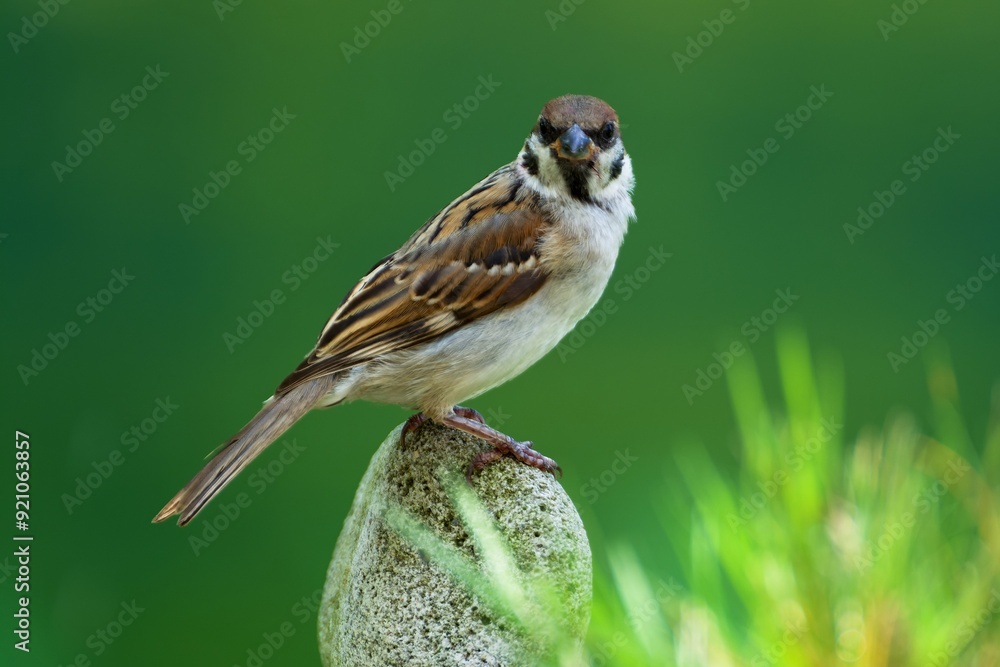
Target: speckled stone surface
column 385, row 605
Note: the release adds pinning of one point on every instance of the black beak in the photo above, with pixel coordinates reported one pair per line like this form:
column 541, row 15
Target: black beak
column 574, row 143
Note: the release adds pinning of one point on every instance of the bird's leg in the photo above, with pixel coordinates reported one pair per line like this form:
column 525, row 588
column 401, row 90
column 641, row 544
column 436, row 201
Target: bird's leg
column 412, row 425
column 468, row 413
column 503, row 445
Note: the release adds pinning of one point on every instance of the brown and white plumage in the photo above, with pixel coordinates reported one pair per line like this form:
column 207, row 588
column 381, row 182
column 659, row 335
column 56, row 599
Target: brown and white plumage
column 483, row 290
column 479, row 255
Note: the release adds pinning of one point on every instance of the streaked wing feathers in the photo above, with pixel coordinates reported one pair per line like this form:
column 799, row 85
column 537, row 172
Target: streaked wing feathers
column 450, row 273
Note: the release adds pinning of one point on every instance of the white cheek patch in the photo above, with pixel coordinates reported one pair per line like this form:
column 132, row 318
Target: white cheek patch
column 548, row 168
column 619, row 190
column 605, row 161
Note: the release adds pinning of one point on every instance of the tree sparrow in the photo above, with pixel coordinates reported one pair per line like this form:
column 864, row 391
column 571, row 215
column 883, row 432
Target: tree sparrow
column 477, row 295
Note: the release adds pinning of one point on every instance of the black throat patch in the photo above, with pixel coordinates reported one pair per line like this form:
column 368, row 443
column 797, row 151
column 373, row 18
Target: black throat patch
column 575, row 175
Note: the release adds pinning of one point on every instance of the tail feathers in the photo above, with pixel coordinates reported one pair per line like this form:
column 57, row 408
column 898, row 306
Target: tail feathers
column 276, row 417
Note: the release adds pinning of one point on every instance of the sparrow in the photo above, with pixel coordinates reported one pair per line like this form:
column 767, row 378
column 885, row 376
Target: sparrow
column 481, row 292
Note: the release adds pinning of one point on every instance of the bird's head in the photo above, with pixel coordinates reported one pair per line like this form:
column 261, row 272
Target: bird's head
column 575, row 150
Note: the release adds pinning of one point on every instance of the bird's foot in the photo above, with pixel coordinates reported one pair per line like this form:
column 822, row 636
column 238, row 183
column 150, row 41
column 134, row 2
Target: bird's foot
column 503, row 445
column 520, row 451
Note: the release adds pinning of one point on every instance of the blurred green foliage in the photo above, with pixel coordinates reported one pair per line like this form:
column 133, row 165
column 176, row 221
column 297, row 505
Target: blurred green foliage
column 818, row 551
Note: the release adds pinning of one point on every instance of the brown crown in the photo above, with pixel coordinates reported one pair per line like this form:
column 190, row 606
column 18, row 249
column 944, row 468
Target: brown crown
column 588, row 112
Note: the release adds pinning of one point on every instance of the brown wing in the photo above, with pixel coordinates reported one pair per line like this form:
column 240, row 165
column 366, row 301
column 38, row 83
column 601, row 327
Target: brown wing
column 477, row 256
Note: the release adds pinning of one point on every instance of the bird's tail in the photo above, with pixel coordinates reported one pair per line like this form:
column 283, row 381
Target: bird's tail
column 276, row 417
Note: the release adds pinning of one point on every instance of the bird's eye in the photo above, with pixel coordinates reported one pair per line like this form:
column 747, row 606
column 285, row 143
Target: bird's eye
column 547, row 133
column 607, row 134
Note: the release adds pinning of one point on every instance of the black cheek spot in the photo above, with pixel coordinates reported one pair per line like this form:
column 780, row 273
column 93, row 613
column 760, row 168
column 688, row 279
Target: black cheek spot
column 530, row 161
column 616, row 167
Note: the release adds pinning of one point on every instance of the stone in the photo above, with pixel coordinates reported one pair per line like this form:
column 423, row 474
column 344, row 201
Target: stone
column 385, row 603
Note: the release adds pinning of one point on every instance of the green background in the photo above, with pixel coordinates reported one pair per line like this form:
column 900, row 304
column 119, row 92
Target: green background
column 324, row 176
